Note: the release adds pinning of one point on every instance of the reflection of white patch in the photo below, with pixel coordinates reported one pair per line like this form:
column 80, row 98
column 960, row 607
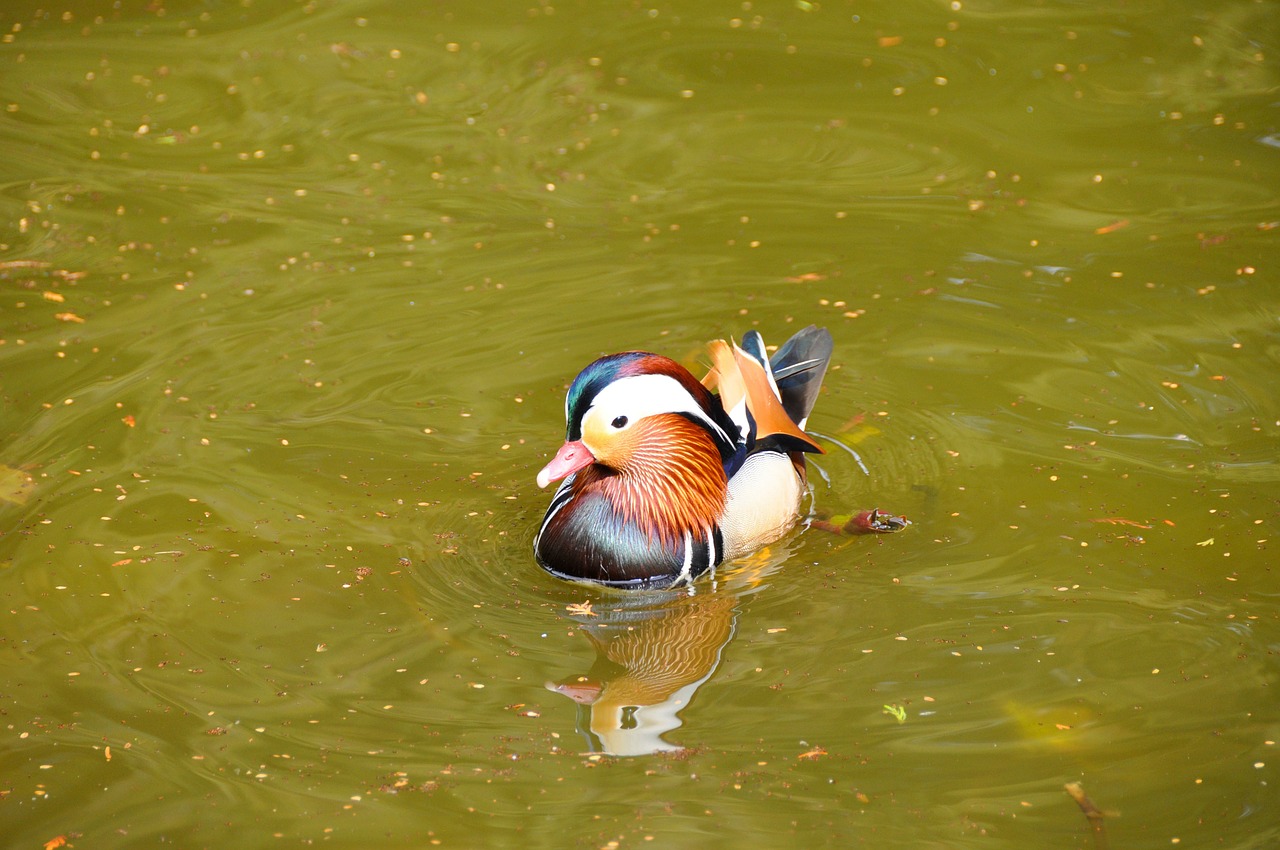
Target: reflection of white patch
column 764, row 497
column 638, row 730
column 646, row 395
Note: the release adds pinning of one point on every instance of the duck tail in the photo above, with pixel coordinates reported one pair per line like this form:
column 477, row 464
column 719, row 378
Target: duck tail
column 798, row 369
column 769, row 421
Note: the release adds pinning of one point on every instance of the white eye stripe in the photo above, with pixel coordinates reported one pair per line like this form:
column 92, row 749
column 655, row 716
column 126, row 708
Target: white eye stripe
column 647, row 395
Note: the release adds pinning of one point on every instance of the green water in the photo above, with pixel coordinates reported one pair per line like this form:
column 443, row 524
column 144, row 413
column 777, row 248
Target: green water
column 289, row 297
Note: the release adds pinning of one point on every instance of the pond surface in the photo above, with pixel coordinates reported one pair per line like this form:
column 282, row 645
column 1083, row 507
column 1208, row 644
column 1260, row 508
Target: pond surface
column 290, row 294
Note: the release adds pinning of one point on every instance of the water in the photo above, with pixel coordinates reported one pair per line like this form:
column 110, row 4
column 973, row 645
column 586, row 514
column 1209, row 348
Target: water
column 289, row 297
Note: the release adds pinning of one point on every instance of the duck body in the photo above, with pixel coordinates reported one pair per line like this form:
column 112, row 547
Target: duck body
column 662, row 480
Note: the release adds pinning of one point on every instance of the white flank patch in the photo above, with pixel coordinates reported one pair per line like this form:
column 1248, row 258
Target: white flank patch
column 764, row 497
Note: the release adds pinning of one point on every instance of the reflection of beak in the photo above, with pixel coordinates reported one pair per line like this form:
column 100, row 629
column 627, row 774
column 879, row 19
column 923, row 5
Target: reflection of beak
column 581, row 690
column 571, row 457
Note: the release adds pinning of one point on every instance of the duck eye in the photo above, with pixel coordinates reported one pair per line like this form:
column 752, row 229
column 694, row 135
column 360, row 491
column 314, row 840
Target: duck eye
column 619, row 422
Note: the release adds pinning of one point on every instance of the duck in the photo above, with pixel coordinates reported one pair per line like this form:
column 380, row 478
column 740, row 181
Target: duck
column 663, row 477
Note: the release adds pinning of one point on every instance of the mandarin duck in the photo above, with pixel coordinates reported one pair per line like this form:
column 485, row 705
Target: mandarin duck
column 664, row 480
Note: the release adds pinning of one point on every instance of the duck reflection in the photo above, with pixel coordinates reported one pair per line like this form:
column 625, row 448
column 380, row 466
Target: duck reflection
column 652, row 655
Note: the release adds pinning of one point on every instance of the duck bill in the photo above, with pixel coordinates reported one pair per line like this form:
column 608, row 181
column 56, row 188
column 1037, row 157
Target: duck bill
column 571, row 457
column 581, row 690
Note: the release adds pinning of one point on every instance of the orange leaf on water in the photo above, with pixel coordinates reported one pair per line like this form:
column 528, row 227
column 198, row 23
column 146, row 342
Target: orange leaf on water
column 68, row 317
column 1115, row 520
column 1113, row 226
column 55, row 842
column 129, row 420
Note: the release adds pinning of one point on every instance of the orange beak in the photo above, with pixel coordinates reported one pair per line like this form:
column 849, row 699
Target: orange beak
column 571, row 457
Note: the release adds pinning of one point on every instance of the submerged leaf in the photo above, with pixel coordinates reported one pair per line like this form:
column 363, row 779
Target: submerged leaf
column 15, row 485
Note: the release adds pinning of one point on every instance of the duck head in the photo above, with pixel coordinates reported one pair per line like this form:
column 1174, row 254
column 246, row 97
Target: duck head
column 634, row 412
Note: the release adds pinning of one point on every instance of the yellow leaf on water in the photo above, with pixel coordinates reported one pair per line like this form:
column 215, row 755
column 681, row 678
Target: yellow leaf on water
column 858, row 432
column 582, row 609
column 68, row 317
column 1208, row 542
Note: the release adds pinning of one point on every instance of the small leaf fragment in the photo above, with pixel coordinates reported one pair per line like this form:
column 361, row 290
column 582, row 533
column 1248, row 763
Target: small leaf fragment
column 1113, row 226
column 1115, row 520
